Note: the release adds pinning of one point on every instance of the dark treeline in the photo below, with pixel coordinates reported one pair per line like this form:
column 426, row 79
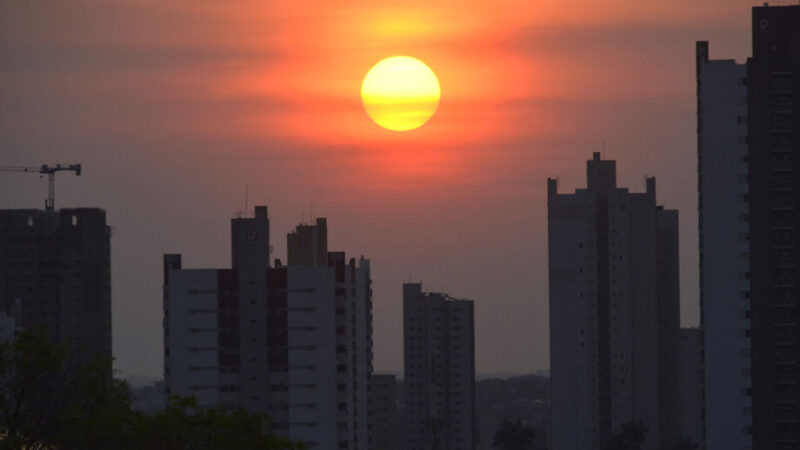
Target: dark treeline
column 54, row 398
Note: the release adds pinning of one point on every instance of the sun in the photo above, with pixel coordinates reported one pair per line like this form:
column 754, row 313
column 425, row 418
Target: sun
column 400, row 93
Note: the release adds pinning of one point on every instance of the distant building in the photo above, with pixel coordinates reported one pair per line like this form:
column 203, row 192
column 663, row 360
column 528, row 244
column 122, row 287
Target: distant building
column 149, row 398
column 749, row 151
column 293, row 341
column 722, row 188
column 614, row 312
column 7, row 327
column 383, row 410
column 55, row 273
column 439, row 381
column 690, row 373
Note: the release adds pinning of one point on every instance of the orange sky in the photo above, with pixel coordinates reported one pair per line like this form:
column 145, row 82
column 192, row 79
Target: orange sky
column 175, row 108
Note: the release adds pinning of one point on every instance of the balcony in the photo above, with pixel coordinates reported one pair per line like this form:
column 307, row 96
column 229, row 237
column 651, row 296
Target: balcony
column 782, row 206
column 780, row 87
column 781, row 148
column 781, row 107
column 783, row 166
column 782, row 187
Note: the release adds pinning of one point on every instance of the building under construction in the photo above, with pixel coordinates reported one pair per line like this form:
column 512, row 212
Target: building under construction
column 55, row 269
column 55, row 273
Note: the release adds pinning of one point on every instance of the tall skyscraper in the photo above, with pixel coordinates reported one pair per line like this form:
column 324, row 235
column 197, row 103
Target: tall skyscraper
column 722, row 190
column 750, row 300
column 294, row 341
column 55, row 273
column 439, row 382
column 614, row 312
column 773, row 111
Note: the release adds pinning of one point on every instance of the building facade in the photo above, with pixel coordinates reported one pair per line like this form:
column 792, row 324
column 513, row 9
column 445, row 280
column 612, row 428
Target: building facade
column 773, row 111
column 722, row 188
column 293, row 341
column 690, row 373
column 383, row 410
column 614, row 312
column 439, row 372
column 55, row 273
column 749, row 153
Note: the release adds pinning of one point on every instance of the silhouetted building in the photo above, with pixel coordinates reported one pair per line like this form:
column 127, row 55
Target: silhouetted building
column 773, row 91
column 439, row 380
column 614, row 312
column 758, row 309
column 383, row 412
column 690, row 373
column 292, row 341
column 55, row 273
column 722, row 190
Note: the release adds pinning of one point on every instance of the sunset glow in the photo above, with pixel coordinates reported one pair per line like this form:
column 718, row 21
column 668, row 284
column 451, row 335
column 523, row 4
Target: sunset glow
column 400, row 93
column 184, row 112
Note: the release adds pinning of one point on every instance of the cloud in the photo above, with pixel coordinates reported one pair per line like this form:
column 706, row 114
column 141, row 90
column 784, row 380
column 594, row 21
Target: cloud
column 100, row 60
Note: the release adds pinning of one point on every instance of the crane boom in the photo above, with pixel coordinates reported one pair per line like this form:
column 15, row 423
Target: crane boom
column 51, row 177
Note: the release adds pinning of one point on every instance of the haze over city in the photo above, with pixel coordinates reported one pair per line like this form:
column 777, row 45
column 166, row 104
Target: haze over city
column 185, row 114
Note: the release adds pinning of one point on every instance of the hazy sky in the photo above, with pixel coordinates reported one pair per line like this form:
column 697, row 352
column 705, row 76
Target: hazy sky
column 175, row 108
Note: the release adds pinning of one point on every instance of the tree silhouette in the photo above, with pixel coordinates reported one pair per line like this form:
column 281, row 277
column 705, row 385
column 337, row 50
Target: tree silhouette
column 514, row 436
column 52, row 397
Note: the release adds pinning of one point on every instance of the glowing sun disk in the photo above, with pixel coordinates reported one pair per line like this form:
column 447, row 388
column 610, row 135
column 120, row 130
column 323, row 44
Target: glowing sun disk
column 400, row 93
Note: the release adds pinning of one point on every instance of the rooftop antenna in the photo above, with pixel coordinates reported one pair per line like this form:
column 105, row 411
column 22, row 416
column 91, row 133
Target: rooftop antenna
column 246, row 206
column 603, row 151
column 311, row 212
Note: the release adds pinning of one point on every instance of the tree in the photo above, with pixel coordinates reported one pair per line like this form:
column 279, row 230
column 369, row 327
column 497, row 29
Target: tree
column 185, row 425
column 631, row 437
column 51, row 396
column 514, row 436
column 54, row 398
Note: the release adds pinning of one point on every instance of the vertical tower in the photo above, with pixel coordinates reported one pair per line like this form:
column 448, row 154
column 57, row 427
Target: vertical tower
column 439, row 355
column 248, row 312
column 749, row 154
column 613, row 263
column 294, row 341
column 773, row 92
column 722, row 175
column 55, row 273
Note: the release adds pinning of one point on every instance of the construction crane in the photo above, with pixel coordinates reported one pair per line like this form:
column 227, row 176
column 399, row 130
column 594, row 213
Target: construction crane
column 49, row 204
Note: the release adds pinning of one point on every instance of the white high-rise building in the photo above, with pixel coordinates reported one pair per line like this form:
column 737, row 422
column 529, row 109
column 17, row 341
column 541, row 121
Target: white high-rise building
column 293, row 341
column 724, row 249
column 614, row 312
column 439, row 383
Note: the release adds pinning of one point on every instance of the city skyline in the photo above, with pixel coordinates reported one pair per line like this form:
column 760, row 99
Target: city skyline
column 464, row 217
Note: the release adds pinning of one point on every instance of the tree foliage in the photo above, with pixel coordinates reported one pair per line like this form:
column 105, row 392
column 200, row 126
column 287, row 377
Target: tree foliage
column 54, row 398
column 184, row 425
column 514, row 436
